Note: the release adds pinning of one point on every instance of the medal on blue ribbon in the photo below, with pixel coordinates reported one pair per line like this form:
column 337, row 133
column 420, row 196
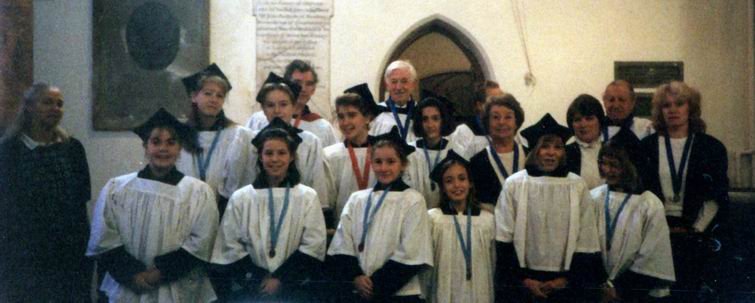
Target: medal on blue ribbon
column 611, row 223
column 430, row 166
column 677, row 176
column 367, row 219
column 275, row 227
column 466, row 246
column 203, row 164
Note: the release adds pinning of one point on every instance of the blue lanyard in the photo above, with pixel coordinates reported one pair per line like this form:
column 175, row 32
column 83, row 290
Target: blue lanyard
column 466, row 247
column 434, row 163
column 403, row 129
column 499, row 163
column 275, row 229
column 676, row 177
column 367, row 220
column 203, row 164
column 611, row 224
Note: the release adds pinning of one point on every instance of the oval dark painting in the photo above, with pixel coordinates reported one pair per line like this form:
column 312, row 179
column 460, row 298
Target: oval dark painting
column 152, row 36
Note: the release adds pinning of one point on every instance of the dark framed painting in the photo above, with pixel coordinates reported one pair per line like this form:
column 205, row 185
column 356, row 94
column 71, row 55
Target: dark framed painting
column 141, row 51
column 649, row 74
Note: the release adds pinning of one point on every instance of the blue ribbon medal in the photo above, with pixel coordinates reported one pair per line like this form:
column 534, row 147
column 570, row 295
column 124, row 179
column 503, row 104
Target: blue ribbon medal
column 367, row 220
column 276, row 228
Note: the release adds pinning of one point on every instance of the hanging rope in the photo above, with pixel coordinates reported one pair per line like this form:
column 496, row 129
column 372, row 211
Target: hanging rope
column 519, row 19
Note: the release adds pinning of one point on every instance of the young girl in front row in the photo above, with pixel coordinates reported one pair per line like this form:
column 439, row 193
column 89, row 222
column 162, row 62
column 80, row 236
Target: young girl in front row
column 273, row 230
column 633, row 233
column 383, row 239
column 152, row 230
column 463, row 238
column 432, row 123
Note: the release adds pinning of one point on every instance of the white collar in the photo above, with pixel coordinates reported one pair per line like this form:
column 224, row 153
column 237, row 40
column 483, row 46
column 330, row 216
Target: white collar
column 593, row 144
column 32, row 144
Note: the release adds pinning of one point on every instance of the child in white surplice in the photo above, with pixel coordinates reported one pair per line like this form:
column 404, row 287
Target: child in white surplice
column 383, row 239
column 634, row 235
column 153, row 230
column 547, row 245
column 273, row 231
column 463, row 238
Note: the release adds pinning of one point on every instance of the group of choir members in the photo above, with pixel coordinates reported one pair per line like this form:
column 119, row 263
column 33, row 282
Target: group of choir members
column 408, row 207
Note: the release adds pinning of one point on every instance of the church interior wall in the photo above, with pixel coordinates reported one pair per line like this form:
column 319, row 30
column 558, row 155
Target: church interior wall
column 571, row 45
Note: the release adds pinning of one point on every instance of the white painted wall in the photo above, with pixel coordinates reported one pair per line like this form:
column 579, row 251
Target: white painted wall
column 572, row 44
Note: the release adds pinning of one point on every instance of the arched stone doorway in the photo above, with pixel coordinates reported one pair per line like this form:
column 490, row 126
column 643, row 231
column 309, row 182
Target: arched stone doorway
column 447, row 59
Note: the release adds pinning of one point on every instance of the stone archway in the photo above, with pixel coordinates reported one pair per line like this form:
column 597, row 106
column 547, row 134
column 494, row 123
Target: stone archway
column 447, row 58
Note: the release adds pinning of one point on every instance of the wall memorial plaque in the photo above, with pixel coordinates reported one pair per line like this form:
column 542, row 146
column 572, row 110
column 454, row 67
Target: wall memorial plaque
column 649, row 74
column 142, row 49
column 295, row 29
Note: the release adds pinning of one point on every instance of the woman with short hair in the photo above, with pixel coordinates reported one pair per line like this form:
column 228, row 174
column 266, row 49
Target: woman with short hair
column 585, row 117
column 504, row 156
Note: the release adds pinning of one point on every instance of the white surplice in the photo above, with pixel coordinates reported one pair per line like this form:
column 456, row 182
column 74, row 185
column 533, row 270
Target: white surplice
column 149, row 219
column 400, row 231
column 343, row 182
column 548, row 219
column 641, row 237
column 588, row 166
column 417, row 174
column 469, row 143
column 447, row 281
column 242, row 170
column 321, row 128
column 257, row 121
column 245, row 229
column 236, row 138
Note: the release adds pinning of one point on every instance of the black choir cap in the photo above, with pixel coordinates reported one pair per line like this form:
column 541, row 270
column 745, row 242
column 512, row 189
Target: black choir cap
column 394, row 137
column 272, row 78
column 437, row 174
column 191, row 82
column 546, row 126
column 278, row 124
column 363, row 90
column 163, row 119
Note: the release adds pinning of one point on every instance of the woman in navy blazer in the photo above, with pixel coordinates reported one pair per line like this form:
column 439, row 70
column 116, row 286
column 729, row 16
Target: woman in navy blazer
column 687, row 170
